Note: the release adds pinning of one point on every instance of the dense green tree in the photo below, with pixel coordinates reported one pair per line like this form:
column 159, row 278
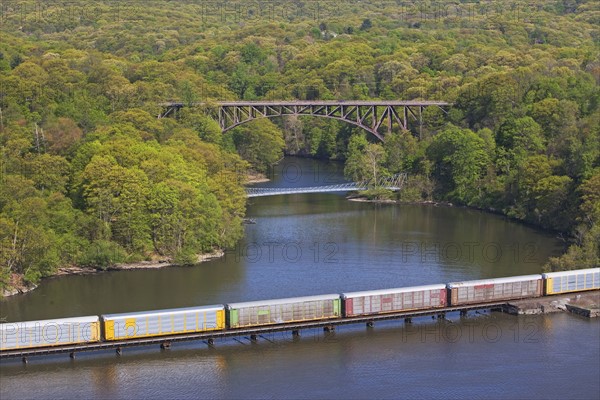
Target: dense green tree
column 590, row 200
column 515, row 140
column 356, row 169
column 259, row 142
column 460, row 163
column 207, row 128
column 82, row 150
column 402, row 152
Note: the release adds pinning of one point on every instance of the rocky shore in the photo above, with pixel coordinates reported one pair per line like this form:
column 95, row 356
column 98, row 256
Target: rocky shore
column 362, row 199
column 19, row 286
column 581, row 303
column 256, row 177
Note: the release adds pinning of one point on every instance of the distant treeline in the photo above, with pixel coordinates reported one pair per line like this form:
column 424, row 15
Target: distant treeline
column 90, row 176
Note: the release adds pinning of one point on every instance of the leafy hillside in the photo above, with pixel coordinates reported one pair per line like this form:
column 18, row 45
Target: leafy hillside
column 90, row 176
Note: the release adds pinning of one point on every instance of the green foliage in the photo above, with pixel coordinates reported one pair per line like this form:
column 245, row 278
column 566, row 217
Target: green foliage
column 86, row 164
column 356, row 168
column 403, row 152
column 590, row 200
column 460, row 161
column 130, row 197
column 377, row 194
column 208, row 129
column 102, row 254
column 516, row 139
column 259, row 142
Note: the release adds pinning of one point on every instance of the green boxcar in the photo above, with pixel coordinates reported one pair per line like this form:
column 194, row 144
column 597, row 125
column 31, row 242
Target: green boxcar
column 281, row 311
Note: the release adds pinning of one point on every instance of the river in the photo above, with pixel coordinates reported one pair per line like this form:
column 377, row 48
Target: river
column 316, row 244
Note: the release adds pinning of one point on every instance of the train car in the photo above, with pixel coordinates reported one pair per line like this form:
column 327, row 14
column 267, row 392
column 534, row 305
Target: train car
column 163, row 322
column 269, row 312
column 488, row 290
column 571, row 281
column 393, row 300
column 49, row 332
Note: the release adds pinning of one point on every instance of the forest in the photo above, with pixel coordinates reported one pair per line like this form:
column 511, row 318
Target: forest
column 91, row 177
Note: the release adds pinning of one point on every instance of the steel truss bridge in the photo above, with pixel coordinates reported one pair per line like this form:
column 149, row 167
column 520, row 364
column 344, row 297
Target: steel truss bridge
column 372, row 116
column 392, row 183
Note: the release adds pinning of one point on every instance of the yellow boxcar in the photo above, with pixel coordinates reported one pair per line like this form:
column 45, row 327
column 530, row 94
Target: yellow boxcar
column 572, row 281
column 49, row 332
column 163, row 322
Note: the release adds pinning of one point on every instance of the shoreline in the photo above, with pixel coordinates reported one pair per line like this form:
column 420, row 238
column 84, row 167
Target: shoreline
column 19, row 287
column 358, row 198
column 256, row 177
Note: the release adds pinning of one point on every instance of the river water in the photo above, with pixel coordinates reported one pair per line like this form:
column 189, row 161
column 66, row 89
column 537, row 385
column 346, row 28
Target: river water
column 315, row 244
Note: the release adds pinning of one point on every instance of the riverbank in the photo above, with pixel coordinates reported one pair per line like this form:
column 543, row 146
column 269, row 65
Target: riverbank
column 256, row 177
column 357, row 197
column 362, row 199
column 581, row 303
column 17, row 284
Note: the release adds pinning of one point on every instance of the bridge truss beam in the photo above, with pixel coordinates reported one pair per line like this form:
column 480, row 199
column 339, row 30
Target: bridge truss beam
column 376, row 117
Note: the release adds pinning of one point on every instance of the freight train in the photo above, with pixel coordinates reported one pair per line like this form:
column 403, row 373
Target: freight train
column 111, row 327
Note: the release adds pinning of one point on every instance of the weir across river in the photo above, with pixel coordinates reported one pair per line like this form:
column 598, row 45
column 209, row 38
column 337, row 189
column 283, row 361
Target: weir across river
column 393, row 183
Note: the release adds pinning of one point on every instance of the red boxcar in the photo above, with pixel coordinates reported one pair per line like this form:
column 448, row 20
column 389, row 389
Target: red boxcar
column 394, row 300
column 489, row 290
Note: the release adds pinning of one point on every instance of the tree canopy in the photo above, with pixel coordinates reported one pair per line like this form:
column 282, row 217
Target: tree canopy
column 90, row 176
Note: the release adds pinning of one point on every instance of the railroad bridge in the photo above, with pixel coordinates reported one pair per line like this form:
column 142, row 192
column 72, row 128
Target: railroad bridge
column 373, row 116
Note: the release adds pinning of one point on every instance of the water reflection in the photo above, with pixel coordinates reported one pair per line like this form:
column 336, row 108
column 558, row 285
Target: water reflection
column 501, row 356
column 310, row 244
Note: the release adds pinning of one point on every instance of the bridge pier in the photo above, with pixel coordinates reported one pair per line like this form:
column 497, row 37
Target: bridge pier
column 253, row 338
column 463, row 313
column 329, row 328
column 408, row 320
column 296, row 333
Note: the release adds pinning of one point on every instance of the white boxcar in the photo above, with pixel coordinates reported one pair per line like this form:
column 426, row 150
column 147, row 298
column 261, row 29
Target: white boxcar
column 572, row 281
column 297, row 309
column 49, row 332
column 394, row 300
column 163, row 322
column 487, row 290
